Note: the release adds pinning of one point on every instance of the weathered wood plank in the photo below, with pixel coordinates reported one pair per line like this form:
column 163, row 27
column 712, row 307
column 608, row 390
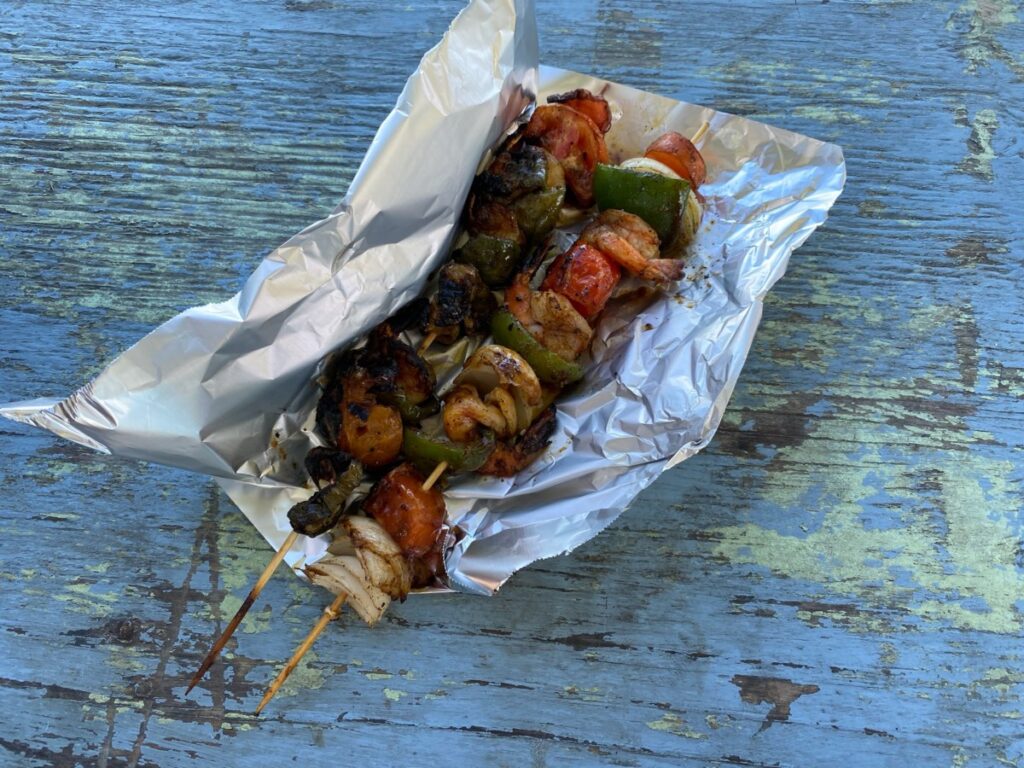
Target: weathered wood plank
column 846, row 554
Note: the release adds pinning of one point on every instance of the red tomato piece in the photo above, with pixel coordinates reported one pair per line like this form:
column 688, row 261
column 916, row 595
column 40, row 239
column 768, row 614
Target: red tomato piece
column 678, row 153
column 585, row 276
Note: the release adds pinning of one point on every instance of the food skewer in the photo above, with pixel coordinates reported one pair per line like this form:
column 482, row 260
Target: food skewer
column 425, row 344
column 330, row 613
column 243, row 609
column 550, row 196
column 700, row 132
column 582, row 189
column 518, row 293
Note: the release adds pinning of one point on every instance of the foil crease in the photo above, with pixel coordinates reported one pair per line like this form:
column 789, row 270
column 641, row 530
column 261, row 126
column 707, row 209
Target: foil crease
column 229, row 389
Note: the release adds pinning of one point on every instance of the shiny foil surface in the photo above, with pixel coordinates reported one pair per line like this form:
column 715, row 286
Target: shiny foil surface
column 229, row 389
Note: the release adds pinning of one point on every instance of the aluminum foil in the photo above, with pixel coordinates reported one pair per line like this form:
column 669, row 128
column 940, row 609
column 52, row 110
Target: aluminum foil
column 229, row 389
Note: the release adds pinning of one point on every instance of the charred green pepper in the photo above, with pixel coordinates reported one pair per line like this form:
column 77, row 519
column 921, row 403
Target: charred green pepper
column 549, row 367
column 322, row 511
column 495, row 258
column 537, row 213
column 431, row 449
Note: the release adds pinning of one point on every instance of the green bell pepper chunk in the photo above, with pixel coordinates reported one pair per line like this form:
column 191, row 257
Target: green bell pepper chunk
column 549, row 367
column 658, row 200
column 322, row 511
column 495, row 258
column 413, row 413
column 537, row 212
column 431, row 449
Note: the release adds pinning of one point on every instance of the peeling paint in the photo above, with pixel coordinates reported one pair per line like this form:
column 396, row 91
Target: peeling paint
column 981, row 21
column 81, row 599
column 980, row 152
column 674, row 724
column 304, row 679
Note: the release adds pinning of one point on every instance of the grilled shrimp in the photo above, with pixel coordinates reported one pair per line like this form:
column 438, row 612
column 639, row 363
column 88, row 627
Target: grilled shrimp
column 594, row 107
column 575, row 141
column 497, row 389
column 550, row 318
column 633, row 244
column 465, row 413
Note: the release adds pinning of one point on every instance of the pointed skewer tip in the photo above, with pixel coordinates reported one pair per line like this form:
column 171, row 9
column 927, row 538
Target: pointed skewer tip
column 243, row 609
column 330, row 613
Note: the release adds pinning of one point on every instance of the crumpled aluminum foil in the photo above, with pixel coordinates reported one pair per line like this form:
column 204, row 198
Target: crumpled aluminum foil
column 229, row 389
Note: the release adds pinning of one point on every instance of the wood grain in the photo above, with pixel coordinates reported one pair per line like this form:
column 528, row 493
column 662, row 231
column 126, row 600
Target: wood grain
column 839, row 575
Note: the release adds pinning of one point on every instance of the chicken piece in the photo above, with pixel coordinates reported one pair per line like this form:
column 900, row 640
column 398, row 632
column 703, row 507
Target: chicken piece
column 550, row 318
column 462, row 304
column 397, row 369
column 633, row 244
column 412, row 516
column 514, row 173
column 370, row 431
column 491, row 216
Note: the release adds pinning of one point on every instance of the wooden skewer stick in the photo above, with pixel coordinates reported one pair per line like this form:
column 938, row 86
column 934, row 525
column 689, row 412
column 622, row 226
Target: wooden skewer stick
column 243, row 609
column 425, row 345
column 700, row 132
column 438, row 471
column 330, row 613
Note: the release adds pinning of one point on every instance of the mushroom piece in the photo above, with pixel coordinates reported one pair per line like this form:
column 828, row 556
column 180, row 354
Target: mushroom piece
column 494, row 366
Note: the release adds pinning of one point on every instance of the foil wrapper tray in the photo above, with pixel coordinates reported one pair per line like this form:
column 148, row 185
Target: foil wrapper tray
column 229, row 389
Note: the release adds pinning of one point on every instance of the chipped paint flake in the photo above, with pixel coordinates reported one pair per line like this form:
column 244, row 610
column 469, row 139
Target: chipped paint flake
column 980, row 22
column 980, row 152
column 674, row 724
column 304, row 679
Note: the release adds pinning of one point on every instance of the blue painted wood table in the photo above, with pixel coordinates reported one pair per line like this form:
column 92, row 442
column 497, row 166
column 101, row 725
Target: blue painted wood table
column 838, row 577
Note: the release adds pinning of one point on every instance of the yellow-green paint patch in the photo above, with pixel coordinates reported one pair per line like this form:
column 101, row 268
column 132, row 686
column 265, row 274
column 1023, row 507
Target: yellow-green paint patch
column 984, row 20
column 674, row 724
column 304, row 679
column 256, row 620
column 974, row 561
column 393, row 694
column 823, row 114
column 81, row 598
